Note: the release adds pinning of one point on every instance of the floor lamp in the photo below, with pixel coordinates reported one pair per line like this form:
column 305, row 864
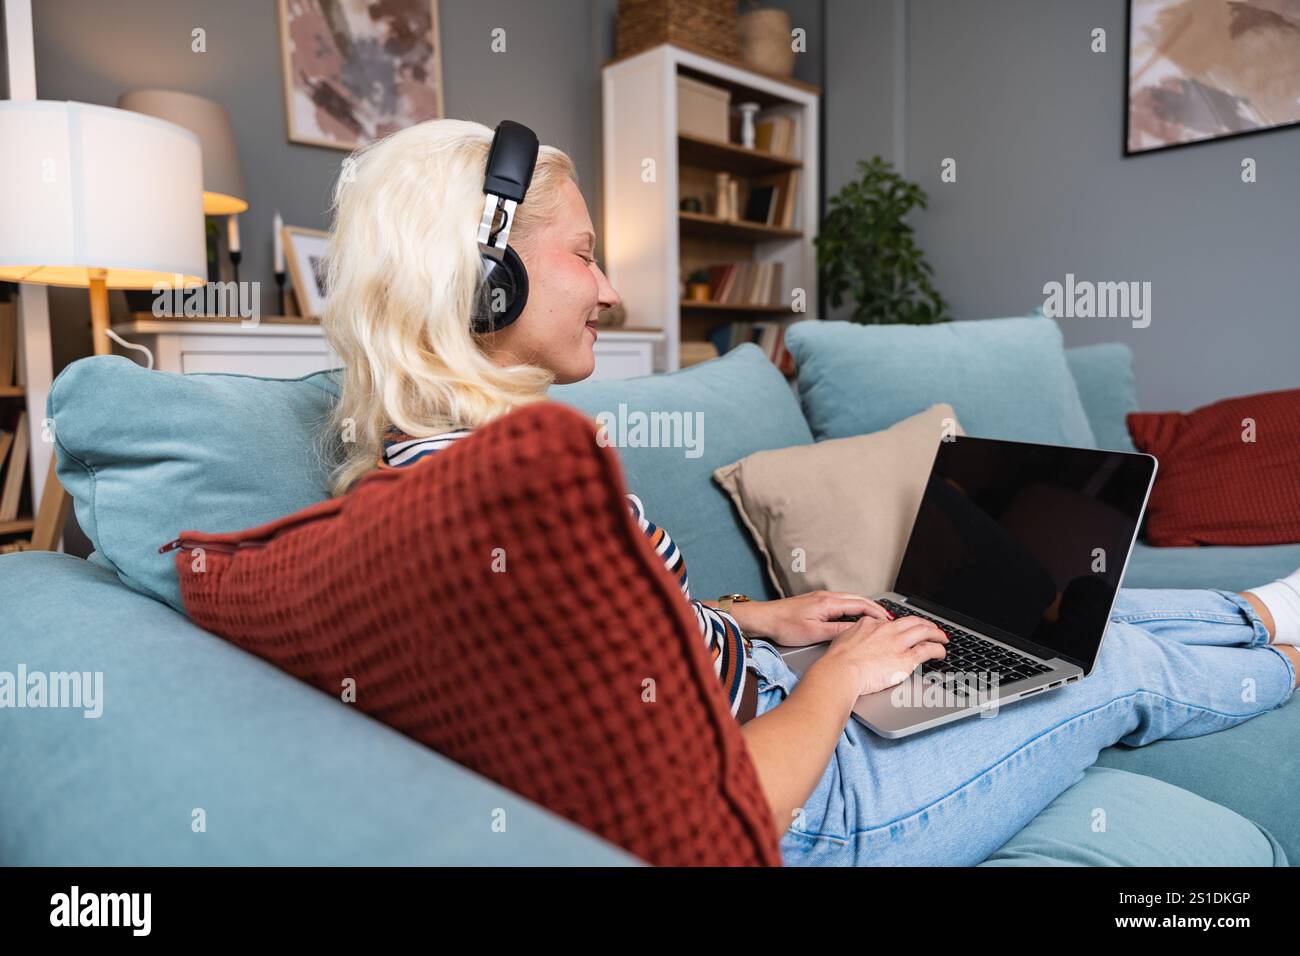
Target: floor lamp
column 223, row 177
column 97, row 198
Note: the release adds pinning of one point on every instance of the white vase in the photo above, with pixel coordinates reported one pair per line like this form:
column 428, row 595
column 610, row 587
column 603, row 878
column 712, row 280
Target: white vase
column 747, row 111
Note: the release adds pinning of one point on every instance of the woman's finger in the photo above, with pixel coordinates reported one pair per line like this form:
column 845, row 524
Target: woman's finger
column 841, row 603
column 831, row 629
column 915, row 629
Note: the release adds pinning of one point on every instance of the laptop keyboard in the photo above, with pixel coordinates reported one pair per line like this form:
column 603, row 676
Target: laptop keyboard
column 968, row 653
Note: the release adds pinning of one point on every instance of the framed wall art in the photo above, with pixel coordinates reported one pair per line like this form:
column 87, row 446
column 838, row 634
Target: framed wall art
column 1201, row 70
column 356, row 70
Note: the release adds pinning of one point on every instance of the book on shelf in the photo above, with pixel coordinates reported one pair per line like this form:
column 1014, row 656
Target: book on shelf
column 760, row 205
column 8, row 337
column 778, row 130
column 6, row 441
column 776, row 135
column 746, row 283
column 767, row 334
column 772, row 199
column 15, row 470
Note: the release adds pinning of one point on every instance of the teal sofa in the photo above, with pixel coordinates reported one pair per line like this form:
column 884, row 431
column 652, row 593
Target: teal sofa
column 206, row 755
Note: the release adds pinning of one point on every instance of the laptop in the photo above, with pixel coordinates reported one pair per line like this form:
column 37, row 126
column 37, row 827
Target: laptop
column 1017, row 551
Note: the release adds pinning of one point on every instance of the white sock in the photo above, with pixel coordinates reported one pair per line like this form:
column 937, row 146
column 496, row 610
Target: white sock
column 1282, row 598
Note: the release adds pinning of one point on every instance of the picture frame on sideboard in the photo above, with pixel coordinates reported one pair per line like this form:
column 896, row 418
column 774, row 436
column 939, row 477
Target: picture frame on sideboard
column 304, row 253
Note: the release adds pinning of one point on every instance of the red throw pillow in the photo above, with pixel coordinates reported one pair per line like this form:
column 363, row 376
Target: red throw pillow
column 498, row 603
column 1216, row 487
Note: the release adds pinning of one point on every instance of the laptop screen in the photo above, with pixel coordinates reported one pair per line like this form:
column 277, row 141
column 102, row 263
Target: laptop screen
column 1026, row 539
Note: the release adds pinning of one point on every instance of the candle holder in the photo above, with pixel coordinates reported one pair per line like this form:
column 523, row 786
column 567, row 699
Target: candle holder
column 279, row 286
column 233, row 245
column 747, row 111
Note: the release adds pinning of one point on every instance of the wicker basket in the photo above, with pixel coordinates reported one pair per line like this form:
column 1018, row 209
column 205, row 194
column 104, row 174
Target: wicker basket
column 706, row 25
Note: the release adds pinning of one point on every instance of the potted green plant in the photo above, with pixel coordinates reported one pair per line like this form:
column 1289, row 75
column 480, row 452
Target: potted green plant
column 697, row 286
column 866, row 248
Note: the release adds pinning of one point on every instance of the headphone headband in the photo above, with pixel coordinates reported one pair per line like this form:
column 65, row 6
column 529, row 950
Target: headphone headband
column 510, row 161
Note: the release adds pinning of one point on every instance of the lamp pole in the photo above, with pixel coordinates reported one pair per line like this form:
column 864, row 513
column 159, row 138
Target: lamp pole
column 34, row 344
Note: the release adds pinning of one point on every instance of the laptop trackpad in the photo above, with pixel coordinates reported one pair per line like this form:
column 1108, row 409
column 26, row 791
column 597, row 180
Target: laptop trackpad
column 799, row 659
column 912, row 693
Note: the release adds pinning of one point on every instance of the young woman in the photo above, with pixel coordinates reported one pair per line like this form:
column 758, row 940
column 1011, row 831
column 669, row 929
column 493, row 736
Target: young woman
column 404, row 270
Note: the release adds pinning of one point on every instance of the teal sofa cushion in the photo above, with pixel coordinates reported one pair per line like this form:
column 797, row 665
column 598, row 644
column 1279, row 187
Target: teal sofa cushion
column 282, row 773
column 149, row 454
column 1251, row 768
column 1005, row 378
column 741, row 404
column 1103, row 374
column 1228, row 568
column 1112, row 818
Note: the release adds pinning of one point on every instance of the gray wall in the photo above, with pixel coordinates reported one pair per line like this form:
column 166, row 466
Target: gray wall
column 1010, row 89
column 863, row 92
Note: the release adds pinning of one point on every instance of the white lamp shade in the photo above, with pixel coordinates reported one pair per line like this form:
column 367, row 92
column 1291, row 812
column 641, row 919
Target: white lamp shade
column 90, row 191
column 223, row 179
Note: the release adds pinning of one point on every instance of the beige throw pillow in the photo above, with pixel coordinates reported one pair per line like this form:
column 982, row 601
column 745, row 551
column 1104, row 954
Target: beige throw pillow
column 836, row 515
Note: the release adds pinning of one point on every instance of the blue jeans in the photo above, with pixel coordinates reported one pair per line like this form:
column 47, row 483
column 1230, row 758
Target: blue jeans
column 1174, row 663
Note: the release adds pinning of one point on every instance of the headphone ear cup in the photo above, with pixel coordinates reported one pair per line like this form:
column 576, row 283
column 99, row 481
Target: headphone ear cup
column 503, row 294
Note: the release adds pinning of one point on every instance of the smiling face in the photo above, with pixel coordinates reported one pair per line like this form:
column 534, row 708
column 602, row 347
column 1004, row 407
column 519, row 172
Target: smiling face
column 566, row 289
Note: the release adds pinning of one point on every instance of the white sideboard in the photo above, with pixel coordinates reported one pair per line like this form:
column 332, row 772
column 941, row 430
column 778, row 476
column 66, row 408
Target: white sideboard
column 289, row 350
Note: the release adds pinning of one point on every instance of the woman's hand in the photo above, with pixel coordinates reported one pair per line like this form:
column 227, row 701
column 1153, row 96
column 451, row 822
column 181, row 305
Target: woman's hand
column 791, row 744
column 806, row 618
column 874, row 655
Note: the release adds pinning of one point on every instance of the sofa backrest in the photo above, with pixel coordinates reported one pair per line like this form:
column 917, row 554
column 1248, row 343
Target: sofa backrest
column 146, row 454
column 1104, row 375
column 1004, row 378
column 735, row 405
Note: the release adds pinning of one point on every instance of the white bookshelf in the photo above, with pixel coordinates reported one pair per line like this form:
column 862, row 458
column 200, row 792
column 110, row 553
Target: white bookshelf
column 648, row 244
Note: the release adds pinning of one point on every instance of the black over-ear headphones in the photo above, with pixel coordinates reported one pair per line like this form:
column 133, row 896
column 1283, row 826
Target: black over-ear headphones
column 504, row 290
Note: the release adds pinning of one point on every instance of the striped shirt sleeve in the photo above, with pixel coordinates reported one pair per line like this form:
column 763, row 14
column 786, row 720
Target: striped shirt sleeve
column 723, row 637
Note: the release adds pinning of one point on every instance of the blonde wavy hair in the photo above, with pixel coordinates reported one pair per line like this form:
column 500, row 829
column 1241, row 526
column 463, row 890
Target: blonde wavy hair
column 402, row 270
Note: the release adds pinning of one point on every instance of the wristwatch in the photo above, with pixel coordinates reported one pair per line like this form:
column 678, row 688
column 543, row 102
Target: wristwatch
column 726, row 600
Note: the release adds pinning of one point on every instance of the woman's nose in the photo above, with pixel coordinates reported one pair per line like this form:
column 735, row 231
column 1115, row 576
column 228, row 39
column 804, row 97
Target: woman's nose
column 609, row 297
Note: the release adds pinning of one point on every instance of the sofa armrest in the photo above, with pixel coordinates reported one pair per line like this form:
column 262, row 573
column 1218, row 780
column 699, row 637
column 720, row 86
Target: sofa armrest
column 282, row 773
